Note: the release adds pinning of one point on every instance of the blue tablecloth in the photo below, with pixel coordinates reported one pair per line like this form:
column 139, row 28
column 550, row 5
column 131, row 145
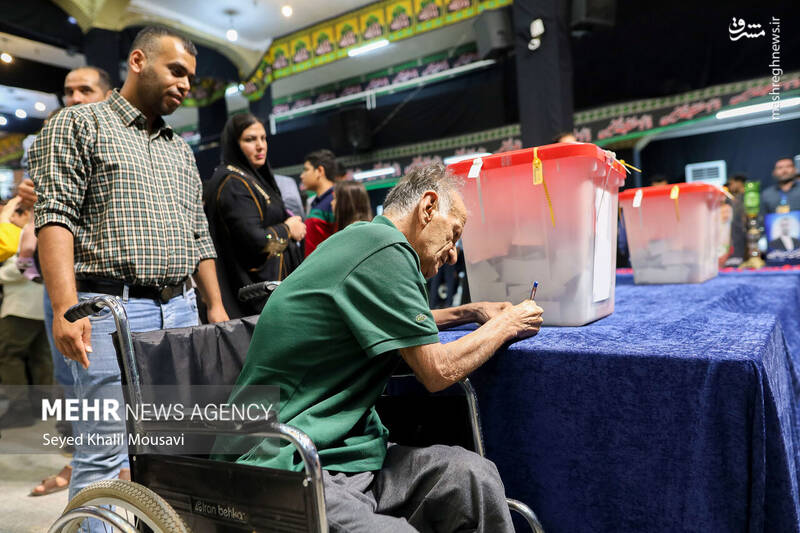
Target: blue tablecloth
column 676, row 413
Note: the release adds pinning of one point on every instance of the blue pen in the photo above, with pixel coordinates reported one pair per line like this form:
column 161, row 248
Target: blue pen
column 533, row 289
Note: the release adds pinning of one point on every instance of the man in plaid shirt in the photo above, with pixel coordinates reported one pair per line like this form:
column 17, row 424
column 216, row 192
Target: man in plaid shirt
column 119, row 212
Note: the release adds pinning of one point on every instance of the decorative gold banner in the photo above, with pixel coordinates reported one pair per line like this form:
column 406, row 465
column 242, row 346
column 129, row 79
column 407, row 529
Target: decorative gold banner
column 372, row 22
column 330, row 40
column 458, row 10
column 400, row 15
column 346, row 34
column 323, row 43
column 428, row 15
column 280, row 54
column 300, row 46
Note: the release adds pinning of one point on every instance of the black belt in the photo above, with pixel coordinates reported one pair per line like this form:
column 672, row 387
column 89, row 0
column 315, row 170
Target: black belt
column 161, row 294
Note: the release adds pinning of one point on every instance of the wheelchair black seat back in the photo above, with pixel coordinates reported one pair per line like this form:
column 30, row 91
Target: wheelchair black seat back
column 188, row 359
column 212, row 354
column 213, row 496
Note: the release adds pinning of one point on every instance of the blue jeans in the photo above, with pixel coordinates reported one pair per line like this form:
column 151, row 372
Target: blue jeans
column 103, row 375
column 61, row 370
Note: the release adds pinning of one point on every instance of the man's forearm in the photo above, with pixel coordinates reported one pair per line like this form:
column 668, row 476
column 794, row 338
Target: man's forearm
column 462, row 356
column 454, row 316
column 208, row 284
column 440, row 365
column 57, row 259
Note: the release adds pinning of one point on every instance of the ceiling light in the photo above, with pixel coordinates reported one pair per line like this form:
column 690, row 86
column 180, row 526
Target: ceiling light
column 3, row 121
column 72, row 20
column 757, row 108
column 287, row 11
column 5, row 57
column 232, row 35
column 373, row 173
column 457, row 158
column 367, row 48
column 40, row 106
column 20, row 113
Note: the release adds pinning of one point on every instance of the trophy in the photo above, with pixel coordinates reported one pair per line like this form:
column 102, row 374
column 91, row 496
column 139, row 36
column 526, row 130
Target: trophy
column 752, row 204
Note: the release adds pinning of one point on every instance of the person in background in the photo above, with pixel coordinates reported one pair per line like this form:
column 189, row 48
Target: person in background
column 319, row 169
column 340, row 174
column 735, row 186
column 83, row 85
column 659, row 180
column 24, row 352
column 255, row 236
column 119, row 212
column 784, row 196
column 291, row 195
column 565, row 137
column 350, row 204
column 13, row 218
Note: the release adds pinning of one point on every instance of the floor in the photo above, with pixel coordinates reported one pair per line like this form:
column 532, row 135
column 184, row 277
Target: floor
column 19, row 473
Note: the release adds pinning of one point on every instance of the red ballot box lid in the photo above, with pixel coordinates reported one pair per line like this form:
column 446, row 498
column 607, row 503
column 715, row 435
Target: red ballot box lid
column 664, row 191
column 545, row 153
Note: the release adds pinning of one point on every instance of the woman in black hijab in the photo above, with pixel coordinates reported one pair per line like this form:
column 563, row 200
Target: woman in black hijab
column 255, row 237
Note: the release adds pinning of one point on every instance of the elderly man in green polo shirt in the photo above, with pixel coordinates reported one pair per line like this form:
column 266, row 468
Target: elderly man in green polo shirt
column 330, row 336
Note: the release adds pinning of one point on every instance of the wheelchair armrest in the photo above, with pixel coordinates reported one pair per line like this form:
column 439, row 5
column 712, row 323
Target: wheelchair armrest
column 87, row 308
column 255, row 291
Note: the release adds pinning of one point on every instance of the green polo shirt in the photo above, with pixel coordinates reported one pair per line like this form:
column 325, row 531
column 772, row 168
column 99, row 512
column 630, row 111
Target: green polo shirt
column 328, row 338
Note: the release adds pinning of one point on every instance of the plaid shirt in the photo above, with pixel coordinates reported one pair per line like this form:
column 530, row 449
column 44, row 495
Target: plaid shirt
column 133, row 200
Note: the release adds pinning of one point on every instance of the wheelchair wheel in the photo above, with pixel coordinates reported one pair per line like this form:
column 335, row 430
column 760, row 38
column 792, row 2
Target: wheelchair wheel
column 138, row 505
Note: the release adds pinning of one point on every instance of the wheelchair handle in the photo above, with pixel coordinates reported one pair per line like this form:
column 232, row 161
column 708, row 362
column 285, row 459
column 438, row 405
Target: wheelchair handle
column 257, row 290
column 84, row 309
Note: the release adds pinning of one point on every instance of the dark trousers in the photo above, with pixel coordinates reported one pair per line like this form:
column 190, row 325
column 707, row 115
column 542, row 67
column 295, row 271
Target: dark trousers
column 24, row 358
column 435, row 489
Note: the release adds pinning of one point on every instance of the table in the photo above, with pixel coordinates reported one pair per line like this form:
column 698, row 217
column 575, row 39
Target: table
column 676, row 413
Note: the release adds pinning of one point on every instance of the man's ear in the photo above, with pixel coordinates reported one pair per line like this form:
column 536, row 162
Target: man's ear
column 428, row 205
column 136, row 61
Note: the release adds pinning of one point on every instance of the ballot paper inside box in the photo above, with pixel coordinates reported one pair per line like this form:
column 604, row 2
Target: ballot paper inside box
column 556, row 225
column 673, row 232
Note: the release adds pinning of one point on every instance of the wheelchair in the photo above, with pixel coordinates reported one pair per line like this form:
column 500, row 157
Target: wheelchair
column 171, row 493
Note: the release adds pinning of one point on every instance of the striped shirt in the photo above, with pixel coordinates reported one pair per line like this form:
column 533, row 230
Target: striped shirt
column 132, row 199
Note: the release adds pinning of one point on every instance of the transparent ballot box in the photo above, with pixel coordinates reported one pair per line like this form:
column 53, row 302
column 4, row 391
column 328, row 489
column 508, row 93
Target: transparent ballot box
column 673, row 231
column 547, row 214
